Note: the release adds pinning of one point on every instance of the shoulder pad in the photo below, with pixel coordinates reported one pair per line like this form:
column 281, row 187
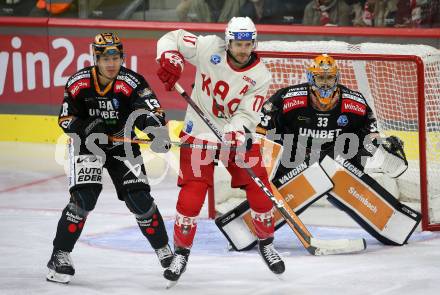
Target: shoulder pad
column 129, row 77
column 79, row 81
column 82, row 74
column 296, row 90
column 353, row 95
column 295, row 97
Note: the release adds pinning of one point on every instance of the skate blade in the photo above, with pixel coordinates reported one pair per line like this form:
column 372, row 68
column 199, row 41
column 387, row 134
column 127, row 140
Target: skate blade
column 53, row 276
column 171, row 284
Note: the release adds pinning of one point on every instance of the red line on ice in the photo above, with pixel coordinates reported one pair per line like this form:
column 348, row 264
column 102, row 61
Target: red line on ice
column 13, row 188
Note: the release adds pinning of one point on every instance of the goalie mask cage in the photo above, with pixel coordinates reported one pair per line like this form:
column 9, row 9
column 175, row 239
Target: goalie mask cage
column 401, row 84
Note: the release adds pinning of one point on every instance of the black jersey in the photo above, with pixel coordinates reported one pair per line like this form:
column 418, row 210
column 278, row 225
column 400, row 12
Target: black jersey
column 303, row 129
column 83, row 98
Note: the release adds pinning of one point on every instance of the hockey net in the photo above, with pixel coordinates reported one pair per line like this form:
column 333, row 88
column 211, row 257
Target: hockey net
column 401, row 84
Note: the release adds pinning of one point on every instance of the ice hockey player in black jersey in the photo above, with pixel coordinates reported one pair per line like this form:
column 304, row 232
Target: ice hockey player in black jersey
column 102, row 102
column 324, row 122
column 315, row 114
column 330, row 143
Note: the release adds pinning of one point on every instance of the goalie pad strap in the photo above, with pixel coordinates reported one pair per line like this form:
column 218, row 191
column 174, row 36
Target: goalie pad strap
column 369, row 204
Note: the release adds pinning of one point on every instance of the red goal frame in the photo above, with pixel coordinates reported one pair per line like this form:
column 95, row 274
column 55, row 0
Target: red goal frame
column 420, row 69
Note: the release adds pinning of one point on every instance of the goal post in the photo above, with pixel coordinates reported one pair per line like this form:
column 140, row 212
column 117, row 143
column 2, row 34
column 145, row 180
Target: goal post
column 401, row 84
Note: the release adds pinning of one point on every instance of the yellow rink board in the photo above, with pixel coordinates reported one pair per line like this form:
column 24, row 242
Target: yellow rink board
column 44, row 129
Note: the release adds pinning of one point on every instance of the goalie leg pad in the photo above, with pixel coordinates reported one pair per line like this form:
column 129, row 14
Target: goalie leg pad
column 299, row 191
column 271, row 153
column 236, row 225
column 369, row 204
column 301, row 188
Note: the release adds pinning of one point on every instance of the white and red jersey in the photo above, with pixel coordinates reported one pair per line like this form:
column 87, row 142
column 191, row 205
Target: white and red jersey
column 230, row 98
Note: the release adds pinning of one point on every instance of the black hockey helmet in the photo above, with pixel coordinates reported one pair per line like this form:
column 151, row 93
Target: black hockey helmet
column 107, row 43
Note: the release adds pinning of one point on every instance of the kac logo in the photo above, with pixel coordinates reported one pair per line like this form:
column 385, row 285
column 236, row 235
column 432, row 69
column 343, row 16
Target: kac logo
column 342, row 120
column 215, row 59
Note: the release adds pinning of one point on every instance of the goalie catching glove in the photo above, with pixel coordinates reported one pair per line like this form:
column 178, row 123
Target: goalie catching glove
column 388, row 158
column 171, row 67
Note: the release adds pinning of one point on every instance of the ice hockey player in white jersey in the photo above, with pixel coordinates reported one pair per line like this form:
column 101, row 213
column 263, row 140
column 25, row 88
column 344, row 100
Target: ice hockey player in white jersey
column 230, row 88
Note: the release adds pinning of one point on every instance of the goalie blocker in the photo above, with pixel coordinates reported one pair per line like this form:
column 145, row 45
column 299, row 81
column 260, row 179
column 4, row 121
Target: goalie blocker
column 354, row 192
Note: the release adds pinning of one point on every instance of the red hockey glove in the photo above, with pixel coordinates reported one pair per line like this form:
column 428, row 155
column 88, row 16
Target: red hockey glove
column 171, row 66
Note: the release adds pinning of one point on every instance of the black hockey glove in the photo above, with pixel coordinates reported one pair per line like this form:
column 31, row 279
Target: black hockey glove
column 93, row 125
column 161, row 142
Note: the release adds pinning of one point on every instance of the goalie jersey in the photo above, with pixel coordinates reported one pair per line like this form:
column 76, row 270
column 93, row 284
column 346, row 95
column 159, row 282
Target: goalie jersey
column 229, row 97
column 308, row 134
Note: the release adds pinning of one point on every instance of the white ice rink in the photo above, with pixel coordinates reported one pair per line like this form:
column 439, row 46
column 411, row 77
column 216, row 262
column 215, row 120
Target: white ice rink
column 112, row 257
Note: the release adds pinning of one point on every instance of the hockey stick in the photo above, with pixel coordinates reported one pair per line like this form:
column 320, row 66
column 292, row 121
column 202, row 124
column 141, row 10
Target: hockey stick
column 313, row 246
column 204, row 146
column 175, row 143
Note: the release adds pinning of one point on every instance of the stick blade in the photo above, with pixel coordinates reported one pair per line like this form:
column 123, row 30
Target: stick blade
column 342, row 246
column 170, row 284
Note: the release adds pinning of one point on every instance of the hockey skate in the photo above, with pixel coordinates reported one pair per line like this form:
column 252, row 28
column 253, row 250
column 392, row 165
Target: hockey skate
column 60, row 266
column 177, row 266
column 271, row 256
column 165, row 255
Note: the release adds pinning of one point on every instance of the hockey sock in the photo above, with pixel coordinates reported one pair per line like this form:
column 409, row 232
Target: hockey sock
column 184, row 230
column 153, row 227
column 69, row 227
column 263, row 224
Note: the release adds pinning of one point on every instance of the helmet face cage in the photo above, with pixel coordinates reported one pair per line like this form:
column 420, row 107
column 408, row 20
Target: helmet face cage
column 323, row 65
column 241, row 29
column 107, row 44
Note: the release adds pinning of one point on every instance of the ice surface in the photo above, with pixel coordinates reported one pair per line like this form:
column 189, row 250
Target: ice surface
column 112, row 257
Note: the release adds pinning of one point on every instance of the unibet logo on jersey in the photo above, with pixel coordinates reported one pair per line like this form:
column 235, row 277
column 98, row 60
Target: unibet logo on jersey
column 106, row 109
column 320, row 134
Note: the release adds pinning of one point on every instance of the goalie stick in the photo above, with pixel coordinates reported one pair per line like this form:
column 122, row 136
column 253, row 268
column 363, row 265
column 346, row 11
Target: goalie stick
column 313, row 245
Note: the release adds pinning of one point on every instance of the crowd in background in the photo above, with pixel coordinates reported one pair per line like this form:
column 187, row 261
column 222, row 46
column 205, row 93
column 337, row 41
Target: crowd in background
column 362, row 13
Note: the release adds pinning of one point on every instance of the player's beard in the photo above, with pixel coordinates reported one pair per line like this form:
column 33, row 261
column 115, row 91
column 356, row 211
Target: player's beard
column 245, row 57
